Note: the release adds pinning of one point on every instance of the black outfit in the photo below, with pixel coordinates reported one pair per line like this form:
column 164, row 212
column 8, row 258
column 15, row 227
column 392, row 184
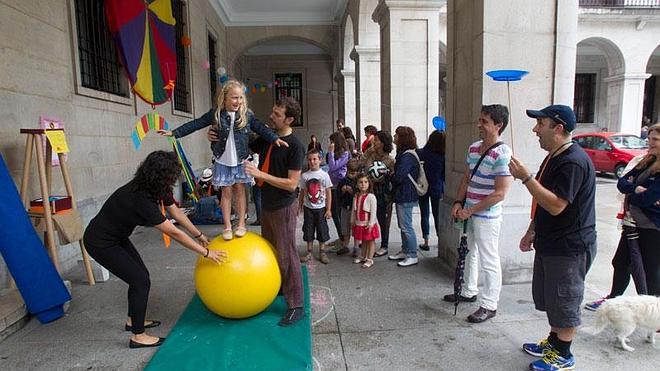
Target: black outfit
column 280, row 157
column 106, row 240
column 565, row 244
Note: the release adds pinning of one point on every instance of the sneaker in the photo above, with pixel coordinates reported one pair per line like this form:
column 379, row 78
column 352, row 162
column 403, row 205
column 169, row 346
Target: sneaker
column 553, row 361
column 594, row 305
column 537, row 349
column 424, row 247
column 407, row 263
column 452, row 299
column 354, row 254
column 323, row 257
column 292, row 316
column 399, row 256
column 343, row 250
column 305, row 258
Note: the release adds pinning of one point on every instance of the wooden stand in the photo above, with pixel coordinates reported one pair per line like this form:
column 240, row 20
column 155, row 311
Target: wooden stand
column 45, row 170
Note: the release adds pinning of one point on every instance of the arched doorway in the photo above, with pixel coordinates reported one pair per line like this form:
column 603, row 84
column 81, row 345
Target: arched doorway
column 597, row 90
column 651, row 110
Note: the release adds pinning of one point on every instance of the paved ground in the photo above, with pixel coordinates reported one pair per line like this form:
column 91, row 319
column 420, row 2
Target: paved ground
column 384, row 318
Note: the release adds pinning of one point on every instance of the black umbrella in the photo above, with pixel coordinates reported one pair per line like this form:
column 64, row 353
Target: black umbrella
column 460, row 266
column 636, row 264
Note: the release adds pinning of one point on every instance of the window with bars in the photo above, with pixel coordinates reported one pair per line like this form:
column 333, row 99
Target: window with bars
column 213, row 75
column 585, row 97
column 182, row 88
column 100, row 68
column 290, row 85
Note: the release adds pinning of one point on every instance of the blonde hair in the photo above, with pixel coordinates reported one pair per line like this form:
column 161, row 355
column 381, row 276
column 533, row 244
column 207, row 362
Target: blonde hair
column 242, row 111
column 649, row 159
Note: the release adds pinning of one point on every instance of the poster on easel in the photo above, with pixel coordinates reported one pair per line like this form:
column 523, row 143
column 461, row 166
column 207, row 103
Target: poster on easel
column 51, row 123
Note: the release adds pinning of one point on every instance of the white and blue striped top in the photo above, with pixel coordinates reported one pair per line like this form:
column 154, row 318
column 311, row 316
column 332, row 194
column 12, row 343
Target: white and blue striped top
column 482, row 184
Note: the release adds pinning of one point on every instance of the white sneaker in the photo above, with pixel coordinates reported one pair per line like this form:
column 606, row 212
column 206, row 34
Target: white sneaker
column 399, row 256
column 407, row 263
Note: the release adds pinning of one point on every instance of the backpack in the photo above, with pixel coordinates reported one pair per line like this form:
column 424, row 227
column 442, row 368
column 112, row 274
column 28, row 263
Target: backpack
column 421, row 184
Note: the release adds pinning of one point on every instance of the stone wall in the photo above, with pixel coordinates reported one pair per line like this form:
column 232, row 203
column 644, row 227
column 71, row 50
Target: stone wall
column 37, row 77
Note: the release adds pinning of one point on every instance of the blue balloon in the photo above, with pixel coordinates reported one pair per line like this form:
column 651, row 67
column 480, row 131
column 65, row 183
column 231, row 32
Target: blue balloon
column 439, row 123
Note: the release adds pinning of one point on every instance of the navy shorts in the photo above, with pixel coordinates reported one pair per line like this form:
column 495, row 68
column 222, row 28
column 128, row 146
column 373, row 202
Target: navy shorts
column 558, row 287
column 314, row 223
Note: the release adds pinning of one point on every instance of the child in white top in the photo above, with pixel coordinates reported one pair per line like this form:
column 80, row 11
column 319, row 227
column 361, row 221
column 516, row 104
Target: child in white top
column 233, row 122
column 316, row 200
column 364, row 221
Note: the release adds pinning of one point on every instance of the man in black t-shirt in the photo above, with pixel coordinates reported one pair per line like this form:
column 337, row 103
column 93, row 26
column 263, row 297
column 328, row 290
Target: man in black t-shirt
column 278, row 177
column 562, row 231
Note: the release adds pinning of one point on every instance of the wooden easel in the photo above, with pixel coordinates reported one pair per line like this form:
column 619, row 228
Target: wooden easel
column 45, row 169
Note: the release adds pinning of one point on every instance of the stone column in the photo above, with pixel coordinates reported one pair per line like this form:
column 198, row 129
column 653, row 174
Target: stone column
column 349, row 98
column 367, row 87
column 537, row 36
column 409, row 34
column 625, row 94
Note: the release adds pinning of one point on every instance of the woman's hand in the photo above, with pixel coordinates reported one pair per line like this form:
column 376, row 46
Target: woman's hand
column 280, row 143
column 218, row 256
column 639, row 189
column 167, row 133
column 202, row 240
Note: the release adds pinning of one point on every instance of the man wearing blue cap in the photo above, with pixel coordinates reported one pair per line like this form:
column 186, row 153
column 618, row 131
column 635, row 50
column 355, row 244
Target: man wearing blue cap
column 562, row 231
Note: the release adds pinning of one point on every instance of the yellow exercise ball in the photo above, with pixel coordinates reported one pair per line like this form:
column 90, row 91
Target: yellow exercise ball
column 245, row 284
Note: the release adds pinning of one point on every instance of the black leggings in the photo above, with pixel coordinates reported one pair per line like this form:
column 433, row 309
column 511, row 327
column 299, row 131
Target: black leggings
column 648, row 246
column 125, row 262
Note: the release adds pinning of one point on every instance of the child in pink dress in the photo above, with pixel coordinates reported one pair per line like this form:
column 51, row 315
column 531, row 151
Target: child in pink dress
column 364, row 221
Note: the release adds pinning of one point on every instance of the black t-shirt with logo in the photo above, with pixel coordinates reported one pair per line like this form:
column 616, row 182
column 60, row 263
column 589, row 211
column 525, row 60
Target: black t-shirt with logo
column 570, row 175
column 282, row 159
column 124, row 210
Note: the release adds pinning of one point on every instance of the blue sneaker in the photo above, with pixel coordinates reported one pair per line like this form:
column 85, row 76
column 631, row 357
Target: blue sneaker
column 552, row 361
column 594, row 305
column 537, row 349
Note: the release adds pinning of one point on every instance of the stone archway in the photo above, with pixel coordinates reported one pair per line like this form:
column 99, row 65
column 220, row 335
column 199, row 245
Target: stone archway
column 651, row 109
column 598, row 87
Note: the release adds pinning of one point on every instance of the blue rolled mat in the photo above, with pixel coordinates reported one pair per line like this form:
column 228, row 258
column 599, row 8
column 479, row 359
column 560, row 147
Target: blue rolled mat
column 37, row 279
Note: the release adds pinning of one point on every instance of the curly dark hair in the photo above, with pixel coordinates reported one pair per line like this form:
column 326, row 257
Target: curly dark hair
column 386, row 138
column 406, row 139
column 157, row 174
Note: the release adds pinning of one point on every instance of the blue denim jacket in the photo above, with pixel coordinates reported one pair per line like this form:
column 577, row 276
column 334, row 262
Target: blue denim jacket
column 241, row 136
column 402, row 188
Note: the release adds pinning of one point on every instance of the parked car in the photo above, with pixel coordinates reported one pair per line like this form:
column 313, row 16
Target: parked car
column 611, row 152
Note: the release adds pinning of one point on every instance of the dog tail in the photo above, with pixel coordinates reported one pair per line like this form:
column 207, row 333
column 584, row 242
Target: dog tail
column 599, row 325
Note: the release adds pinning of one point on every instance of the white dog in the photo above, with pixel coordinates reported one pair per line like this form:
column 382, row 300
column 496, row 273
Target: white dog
column 625, row 313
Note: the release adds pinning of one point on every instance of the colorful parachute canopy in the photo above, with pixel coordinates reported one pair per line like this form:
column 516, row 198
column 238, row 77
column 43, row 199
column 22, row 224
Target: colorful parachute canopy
column 150, row 121
column 144, row 34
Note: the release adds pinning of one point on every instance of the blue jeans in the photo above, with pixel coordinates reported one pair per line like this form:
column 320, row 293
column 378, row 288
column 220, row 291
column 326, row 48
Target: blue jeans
column 424, row 211
column 404, row 219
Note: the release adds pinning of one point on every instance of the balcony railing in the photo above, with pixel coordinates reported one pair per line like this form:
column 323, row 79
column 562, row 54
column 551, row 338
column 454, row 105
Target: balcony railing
column 620, row 3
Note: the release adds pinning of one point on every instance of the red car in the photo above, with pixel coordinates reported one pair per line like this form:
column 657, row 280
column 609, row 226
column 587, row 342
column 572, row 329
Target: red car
column 611, row 152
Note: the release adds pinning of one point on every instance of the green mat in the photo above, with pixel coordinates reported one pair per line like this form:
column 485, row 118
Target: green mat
column 201, row 340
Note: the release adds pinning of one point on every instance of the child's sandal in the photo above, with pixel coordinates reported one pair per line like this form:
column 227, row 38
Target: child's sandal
column 368, row 263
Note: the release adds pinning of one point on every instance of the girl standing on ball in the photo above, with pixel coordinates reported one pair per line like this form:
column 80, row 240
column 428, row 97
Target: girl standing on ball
column 364, row 221
column 233, row 122
column 139, row 202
